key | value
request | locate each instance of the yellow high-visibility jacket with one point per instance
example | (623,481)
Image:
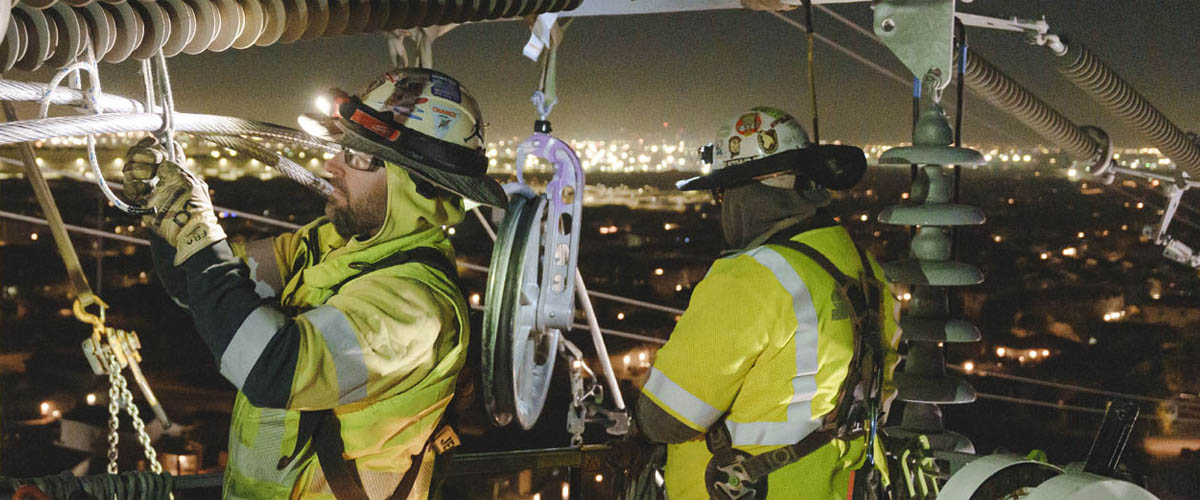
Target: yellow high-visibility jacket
(382,350)
(766,343)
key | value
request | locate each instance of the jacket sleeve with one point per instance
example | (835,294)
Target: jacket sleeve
(701,368)
(378,336)
(173,279)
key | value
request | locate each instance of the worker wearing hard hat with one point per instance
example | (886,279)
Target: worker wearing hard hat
(344,338)
(772,382)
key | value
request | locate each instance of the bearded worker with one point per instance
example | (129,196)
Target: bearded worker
(344,339)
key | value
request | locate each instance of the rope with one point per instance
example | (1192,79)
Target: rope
(546,96)
(812,77)
(168,101)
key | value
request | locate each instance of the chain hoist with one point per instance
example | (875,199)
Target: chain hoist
(109,351)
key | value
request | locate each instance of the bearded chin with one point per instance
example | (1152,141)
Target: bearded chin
(343,221)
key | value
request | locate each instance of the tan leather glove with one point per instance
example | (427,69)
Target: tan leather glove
(183,213)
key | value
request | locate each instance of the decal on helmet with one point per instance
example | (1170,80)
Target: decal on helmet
(781,120)
(443,119)
(749,123)
(445,87)
(768,141)
(476,131)
(409,111)
(375,125)
(735,146)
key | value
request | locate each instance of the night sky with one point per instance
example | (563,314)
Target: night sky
(623,76)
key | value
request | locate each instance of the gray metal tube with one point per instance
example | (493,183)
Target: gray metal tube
(1008,95)
(1091,75)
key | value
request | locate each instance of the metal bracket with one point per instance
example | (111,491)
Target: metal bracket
(560,229)
(920,33)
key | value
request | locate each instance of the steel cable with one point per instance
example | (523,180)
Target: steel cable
(1090,74)
(12,90)
(1067,407)
(116,105)
(1071,387)
(115,123)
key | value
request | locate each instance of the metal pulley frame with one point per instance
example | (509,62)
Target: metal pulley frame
(531,289)
(997,477)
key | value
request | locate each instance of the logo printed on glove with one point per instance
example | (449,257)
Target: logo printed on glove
(196,235)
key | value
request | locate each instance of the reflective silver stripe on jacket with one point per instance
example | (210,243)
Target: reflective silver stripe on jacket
(255,332)
(680,400)
(258,461)
(344,348)
(800,422)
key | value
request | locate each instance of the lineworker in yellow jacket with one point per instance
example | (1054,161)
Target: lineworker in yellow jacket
(344,338)
(773,379)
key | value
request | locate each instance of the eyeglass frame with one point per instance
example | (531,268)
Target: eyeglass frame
(349,156)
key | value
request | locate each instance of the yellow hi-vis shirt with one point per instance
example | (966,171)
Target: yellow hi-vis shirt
(766,342)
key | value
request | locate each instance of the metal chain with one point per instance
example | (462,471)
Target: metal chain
(119,391)
(140,427)
(114,396)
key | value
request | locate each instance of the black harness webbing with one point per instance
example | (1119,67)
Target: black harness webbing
(744,474)
(323,428)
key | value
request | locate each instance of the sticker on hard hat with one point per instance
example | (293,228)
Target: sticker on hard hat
(749,123)
(445,87)
(444,119)
(375,125)
(768,140)
(735,146)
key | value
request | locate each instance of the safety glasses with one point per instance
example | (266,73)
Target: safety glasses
(360,161)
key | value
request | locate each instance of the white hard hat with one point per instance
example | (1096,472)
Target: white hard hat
(768,145)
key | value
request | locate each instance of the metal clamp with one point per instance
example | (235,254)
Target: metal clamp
(1103,166)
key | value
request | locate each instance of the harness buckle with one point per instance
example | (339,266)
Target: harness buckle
(738,484)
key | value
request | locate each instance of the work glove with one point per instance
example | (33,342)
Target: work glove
(183,213)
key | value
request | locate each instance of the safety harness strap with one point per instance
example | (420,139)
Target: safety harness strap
(865,298)
(341,474)
(427,256)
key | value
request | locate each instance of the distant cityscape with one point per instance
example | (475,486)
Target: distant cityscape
(610,160)
(1074,293)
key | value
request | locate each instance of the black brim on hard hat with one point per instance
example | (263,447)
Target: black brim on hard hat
(832,166)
